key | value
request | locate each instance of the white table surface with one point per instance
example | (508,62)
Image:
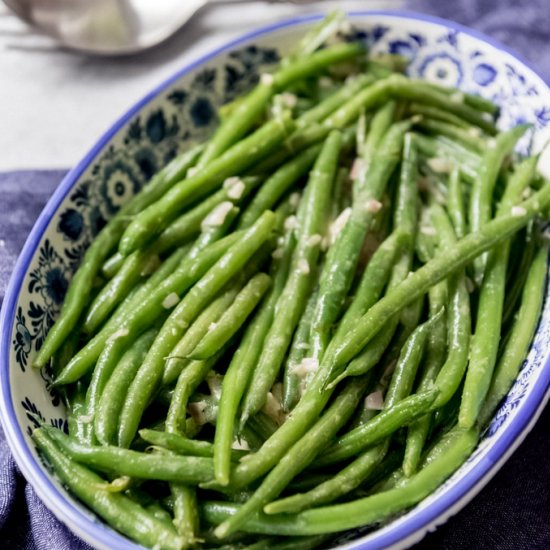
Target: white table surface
(55,103)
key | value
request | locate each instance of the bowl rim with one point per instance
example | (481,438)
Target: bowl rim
(82,523)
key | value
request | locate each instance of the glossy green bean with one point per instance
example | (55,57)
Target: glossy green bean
(155,218)
(522,332)
(112,397)
(486,336)
(149,375)
(481,197)
(403,413)
(120,511)
(314,214)
(449,261)
(299,456)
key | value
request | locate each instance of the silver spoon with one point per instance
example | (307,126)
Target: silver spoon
(109,27)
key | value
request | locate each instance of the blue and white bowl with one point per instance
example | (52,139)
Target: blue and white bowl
(183,110)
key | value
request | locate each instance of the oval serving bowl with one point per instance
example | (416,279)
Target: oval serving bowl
(182,111)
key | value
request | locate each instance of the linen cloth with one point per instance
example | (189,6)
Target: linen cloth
(511,513)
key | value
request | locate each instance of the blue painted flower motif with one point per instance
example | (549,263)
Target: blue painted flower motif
(33,414)
(120,181)
(484,74)
(96,220)
(147,163)
(71,224)
(402,47)
(202,112)
(441,68)
(23,339)
(49,278)
(543,116)
(155,127)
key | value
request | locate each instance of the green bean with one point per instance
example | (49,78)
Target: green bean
(244,360)
(381,123)
(278,184)
(154,219)
(178,358)
(423,92)
(438,147)
(110,459)
(139,264)
(177,443)
(417,432)
(465,137)
(76,403)
(291,303)
(81,284)
(458,316)
(486,336)
(522,332)
(319,33)
(449,261)
(434,113)
(481,198)
(317,61)
(299,456)
(146,306)
(364,100)
(298,350)
(314,399)
(411,354)
(120,511)
(112,397)
(188,381)
(516,278)
(186,513)
(188,224)
(343,255)
(473,100)
(340,484)
(455,203)
(150,373)
(326,107)
(403,413)
(365,511)
(112,264)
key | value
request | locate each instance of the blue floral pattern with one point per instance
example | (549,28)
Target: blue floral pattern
(186,112)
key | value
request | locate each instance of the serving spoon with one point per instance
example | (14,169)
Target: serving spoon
(110,27)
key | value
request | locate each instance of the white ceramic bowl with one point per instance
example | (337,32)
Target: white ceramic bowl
(183,110)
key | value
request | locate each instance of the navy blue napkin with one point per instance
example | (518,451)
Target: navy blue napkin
(511,513)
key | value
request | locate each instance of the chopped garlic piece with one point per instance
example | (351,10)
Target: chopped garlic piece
(294,200)
(303,266)
(325,82)
(307,365)
(374,401)
(273,408)
(373,206)
(196,410)
(291,223)
(457,97)
(314,240)
(357,168)
(170,301)
(338,224)
(235,187)
(240,445)
(289,100)
(427,230)
(214,382)
(217,216)
(440,165)
(475,132)
(266,79)
(491,143)
(278,253)
(518,211)
(193,171)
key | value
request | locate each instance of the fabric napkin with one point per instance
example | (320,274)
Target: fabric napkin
(511,513)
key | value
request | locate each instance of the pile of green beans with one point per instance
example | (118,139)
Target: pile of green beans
(303,325)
